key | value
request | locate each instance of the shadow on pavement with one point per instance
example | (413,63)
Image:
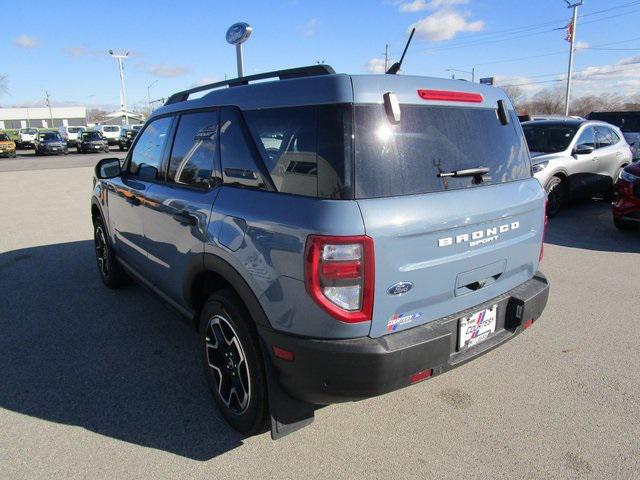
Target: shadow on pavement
(116,363)
(589,225)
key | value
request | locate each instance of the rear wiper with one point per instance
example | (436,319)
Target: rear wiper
(476,173)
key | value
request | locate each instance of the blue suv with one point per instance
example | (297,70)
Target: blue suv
(331,237)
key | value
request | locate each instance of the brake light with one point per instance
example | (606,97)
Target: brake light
(339,275)
(450,96)
(544,232)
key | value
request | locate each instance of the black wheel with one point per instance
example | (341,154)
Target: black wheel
(121,148)
(556,194)
(37,153)
(233,362)
(79,151)
(622,225)
(111,272)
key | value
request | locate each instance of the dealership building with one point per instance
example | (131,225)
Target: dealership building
(42,117)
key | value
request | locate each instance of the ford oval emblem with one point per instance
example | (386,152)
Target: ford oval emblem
(400,288)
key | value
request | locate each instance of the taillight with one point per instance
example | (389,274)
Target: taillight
(544,231)
(339,275)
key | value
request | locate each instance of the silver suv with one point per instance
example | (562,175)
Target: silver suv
(575,158)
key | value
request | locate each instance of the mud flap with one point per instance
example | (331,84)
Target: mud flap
(287,413)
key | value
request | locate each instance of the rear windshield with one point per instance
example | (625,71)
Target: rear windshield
(91,136)
(29,131)
(49,136)
(4,137)
(406,159)
(548,138)
(111,129)
(627,122)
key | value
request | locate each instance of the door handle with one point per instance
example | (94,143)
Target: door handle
(185,218)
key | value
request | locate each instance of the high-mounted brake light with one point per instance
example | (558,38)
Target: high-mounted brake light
(450,96)
(339,275)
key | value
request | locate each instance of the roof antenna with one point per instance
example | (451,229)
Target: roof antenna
(396,66)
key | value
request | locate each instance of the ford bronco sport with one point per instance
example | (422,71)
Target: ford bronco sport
(332,237)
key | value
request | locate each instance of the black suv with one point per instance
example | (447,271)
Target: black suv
(92,141)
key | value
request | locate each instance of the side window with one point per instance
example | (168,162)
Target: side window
(306,149)
(195,157)
(237,151)
(587,137)
(146,157)
(606,137)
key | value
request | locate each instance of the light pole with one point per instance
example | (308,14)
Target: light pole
(149,93)
(237,34)
(472,72)
(572,33)
(123,97)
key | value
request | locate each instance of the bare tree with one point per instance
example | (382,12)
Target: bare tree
(515,94)
(95,115)
(548,101)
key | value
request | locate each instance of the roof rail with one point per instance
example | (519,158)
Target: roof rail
(310,71)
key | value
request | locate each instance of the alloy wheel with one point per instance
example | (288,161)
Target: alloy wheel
(228,364)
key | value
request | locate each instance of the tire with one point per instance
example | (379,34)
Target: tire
(111,272)
(79,151)
(232,361)
(556,194)
(622,225)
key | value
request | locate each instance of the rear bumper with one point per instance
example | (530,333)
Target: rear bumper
(332,371)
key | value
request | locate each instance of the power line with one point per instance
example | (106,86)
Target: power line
(506,35)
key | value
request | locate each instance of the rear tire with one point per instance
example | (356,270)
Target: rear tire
(233,363)
(622,225)
(111,272)
(556,195)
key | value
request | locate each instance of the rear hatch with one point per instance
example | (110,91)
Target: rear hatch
(444,244)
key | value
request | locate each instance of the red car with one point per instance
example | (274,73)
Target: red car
(626,208)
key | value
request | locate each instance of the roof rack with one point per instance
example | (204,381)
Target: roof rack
(310,71)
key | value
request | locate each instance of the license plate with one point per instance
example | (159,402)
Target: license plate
(477,327)
(54,148)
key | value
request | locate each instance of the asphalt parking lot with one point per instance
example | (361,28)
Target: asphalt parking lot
(102,384)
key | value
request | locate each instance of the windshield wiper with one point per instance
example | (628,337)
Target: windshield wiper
(476,173)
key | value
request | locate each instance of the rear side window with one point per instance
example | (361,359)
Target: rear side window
(194,157)
(306,150)
(606,137)
(146,156)
(240,160)
(406,158)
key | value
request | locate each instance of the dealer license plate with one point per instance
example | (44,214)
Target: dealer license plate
(477,327)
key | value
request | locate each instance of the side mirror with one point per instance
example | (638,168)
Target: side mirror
(108,168)
(583,149)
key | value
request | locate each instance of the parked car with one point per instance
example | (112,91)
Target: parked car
(111,133)
(575,158)
(7,146)
(127,136)
(136,127)
(332,237)
(627,122)
(92,141)
(50,142)
(71,134)
(626,207)
(27,138)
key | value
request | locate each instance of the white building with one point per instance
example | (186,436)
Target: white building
(40,117)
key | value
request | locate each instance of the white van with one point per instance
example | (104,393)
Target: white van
(71,134)
(111,133)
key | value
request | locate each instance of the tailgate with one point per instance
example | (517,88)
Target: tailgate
(441,253)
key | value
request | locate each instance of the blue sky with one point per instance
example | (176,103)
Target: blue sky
(61,46)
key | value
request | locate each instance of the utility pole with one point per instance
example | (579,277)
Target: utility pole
(48,102)
(123,97)
(571,31)
(386,57)
(149,93)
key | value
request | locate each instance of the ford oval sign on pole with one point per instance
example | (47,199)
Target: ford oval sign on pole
(237,34)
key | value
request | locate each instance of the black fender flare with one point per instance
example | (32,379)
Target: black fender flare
(207,262)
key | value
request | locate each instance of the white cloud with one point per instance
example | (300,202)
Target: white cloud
(421,5)
(375,65)
(75,51)
(309,28)
(165,70)
(25,41)
(445,24)
(581,46)
(521,81)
